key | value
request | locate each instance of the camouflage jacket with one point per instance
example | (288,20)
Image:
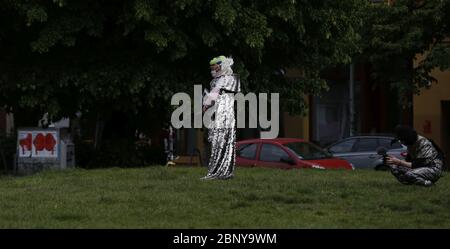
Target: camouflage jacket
(423,154)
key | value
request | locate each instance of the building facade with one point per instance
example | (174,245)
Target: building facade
(432,110)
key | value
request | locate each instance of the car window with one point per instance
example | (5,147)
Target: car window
(343,147)
(367,144)
(307,151)
(386,143)
(272,153)
(248,151)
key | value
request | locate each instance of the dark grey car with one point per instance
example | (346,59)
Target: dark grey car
(361,151)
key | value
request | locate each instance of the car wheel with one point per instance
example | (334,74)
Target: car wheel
(382,167)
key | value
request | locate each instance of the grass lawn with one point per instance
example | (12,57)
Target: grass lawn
(159,197)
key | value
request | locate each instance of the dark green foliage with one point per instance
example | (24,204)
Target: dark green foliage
(7,150)
(98,56)
(105,58)
(395,34)
(118,152)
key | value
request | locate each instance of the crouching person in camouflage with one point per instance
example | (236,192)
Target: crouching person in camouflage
(424,163)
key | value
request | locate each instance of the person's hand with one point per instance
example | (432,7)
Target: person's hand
(390,160)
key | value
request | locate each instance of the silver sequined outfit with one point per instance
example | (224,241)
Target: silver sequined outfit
(222,133)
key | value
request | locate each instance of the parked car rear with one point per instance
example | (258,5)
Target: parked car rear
(286,153)
(361,151)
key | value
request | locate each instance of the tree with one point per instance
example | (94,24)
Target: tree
(397,33)
(101,57)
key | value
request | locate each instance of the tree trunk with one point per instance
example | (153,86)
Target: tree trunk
(2,155)
(99,125)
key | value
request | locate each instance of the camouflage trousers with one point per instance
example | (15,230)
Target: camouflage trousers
(417,176)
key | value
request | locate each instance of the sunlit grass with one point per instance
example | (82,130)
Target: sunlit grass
(159,197)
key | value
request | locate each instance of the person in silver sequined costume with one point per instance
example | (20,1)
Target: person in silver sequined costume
(424,163)
(222,130)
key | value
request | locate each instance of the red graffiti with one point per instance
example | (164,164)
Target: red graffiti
(50,143)
(25,143)
(41,142)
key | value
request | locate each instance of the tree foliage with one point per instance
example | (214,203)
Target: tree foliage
(397,34)
(62,56)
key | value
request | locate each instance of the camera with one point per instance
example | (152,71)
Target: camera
(382,152)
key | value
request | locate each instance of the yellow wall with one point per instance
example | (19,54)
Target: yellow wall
(427,105)
(296,126)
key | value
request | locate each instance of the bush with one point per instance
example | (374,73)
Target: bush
(121,153)
(7,152)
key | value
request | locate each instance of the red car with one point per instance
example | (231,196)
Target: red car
(286,153)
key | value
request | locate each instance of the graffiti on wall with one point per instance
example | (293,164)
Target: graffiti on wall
(38,144)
